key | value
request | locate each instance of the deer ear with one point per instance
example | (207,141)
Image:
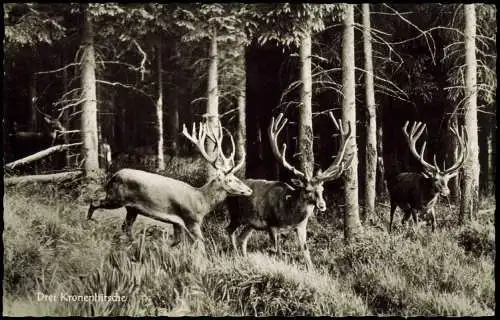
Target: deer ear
(453,174)
(297,183)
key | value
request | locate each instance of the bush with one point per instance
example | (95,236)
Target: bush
(478,239)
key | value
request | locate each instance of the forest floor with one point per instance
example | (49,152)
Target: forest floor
(51,251)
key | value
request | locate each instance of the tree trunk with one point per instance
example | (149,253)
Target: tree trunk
(305,114)
(65,115)
(242,128)
(380,180)
(123,128)
(173,114)
(470,194)
(352,224)
(33,101)
(112,125)
(159,111)
(174,124)
(213,100)
(492,144)
(455,182)
(44,178)
(89,106)
(371,124)
(483,135)
(40,154)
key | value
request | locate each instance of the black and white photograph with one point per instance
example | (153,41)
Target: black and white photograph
(249,159)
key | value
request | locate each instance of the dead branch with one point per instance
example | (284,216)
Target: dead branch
(144,59)
(61,132)
(54,177)
(72,104)
(40,155)
(60,69)
(114,84)
(426,36)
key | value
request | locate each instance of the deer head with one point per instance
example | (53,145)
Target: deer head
(312,185)
(440,176)
(225,167)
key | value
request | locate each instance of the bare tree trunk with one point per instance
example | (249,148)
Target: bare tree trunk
(213,98)
(470,194)
(483,135)
(44,178)
(491,153)
(242,127)
(40,154)
(89,106)
(371,128)
(159,111)
(352,223)
(123,127)
(380,180)
(305,116)
(174,124)
(455,182)
(33,101)
(112,124)
(173,114)
(65,115)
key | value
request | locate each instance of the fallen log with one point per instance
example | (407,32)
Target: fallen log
(40,154)
(53,177)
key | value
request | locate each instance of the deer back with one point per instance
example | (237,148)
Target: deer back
(413,189)
(272,204)
(149,191)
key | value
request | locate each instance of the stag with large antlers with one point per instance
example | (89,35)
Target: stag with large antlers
(412,191)
(275,205)
(173,201)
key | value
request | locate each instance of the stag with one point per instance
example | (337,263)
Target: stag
(276,205)
(173,201)
(412,191)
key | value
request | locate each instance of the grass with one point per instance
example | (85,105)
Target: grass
(50,248)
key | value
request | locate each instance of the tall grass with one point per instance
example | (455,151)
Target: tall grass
(50,248)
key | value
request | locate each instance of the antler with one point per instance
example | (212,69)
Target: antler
(462,141)
(207,131)
(412,137)
(198,139)
(228,162)
(274,130)
(416,132)
(338,166)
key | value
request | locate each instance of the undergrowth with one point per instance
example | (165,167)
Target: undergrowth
(51,249)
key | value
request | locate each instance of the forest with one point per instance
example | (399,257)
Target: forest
(329,120)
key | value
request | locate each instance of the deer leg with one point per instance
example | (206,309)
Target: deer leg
(168,218)
(243,238)
(433,219)
(178,235)
(414,215)
(129,221)
(393,209)
(231,230)
(274,235)
(102,204)
(302,240)
(407,214)
(195,228)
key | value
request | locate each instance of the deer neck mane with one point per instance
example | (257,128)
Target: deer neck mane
(296,200)
(213,192)
(429,194)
